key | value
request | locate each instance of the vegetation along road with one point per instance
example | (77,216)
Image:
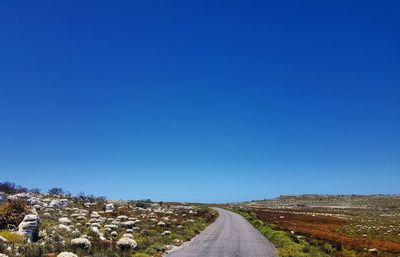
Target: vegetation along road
(229,236)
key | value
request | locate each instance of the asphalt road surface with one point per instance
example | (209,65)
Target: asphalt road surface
(229,236)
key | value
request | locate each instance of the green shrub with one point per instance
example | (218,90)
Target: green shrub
(140,255)
(12,237)
(155,248)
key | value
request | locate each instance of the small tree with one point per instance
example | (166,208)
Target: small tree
(56,191)
(11,188)
(35,190)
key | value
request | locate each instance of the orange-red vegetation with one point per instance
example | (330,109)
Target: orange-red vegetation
(323,228)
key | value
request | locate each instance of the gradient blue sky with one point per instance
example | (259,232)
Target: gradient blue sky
(201,100)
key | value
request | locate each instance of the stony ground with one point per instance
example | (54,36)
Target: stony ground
(34,225)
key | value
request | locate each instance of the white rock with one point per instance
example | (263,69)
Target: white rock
(65,221)
(96,225)
(128,224)
(82,243)
(21,196)
(47,215)
(122,217)
(58,203)
(95,215)
(97,232)
(64,227)
(110,207)
(81,218)
(67,254)
(3,197)
(29,227)
(126,243)
(165,233)
(3,255)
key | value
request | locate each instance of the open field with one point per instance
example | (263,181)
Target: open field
(340,225)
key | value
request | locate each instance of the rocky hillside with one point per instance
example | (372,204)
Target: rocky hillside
(34,224)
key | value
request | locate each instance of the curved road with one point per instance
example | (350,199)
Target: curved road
(229,236)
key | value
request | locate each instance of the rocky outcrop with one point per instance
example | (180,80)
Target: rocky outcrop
(29,227)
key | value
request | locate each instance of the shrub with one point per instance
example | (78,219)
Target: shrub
(12,237)
(140,255)
(11,188)
(56,191)
(31,250)
(11,214)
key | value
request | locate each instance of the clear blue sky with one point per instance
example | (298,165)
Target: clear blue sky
(201,100)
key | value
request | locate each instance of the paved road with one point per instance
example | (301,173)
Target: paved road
(229,236)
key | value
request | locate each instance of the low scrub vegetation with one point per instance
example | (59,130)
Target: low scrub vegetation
(34,224)
(287,245)
(341,225)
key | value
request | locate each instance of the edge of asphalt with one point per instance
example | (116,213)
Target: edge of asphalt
(187,243)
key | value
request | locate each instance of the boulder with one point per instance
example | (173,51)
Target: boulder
(82,243)
(166,233)
(65,221)
(3,197)
(3,255)
(64,227)
(126,243)
(128,224)
(95,215)
(110,208)
(81,218)
(47,215)
(373,251)
(97,232)
(122,217)
(58,203)
(67,254)
(161,224)
(29,227)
